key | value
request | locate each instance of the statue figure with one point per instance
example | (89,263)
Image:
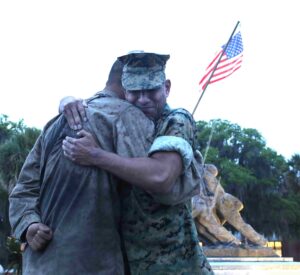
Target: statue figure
(211,210)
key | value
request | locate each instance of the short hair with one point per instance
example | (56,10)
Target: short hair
(115,74)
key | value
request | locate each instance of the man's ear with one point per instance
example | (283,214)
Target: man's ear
(168,86)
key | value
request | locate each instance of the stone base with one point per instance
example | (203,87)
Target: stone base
(254,266)
(224,251)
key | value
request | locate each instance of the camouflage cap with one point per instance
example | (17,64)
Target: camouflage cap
(143,71)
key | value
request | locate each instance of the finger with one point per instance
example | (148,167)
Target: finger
(67,153)
(75,109)
(86,140)
(70,119)
(83,133)
(68,156)
(70,140)
(44,228)
(38,239)
(31,231)
(35,245)
(45,235)
(81,109)
(42,237)
(66,145)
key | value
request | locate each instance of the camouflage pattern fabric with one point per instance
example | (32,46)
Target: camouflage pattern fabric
(162,239)
(143,71)
(79,203)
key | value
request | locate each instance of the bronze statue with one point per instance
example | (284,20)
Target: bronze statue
(211,209)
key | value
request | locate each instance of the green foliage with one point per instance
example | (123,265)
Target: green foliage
(9,128)
(16,140)
(285,210)
(292,179)
(14,151)
(236,177)
(15,255)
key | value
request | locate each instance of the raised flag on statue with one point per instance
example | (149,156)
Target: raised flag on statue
(230,61)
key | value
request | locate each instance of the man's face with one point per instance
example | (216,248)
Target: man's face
(151,102)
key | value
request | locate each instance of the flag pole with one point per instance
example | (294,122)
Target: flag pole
(215,67)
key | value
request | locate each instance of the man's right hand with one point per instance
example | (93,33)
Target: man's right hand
(82,150)
(74,111)
(38,235)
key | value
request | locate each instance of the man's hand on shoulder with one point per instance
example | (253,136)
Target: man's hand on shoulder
(38,236)
(74,111)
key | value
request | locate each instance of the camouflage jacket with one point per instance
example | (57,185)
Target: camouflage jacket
(79,203)
(160,238)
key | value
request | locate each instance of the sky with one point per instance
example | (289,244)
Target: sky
(51,49)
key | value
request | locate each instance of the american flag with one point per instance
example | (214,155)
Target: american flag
(229,63)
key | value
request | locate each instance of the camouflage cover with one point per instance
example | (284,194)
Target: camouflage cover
(143,71)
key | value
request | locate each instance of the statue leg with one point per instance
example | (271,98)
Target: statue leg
(212,227)
(229,206)
(204,233)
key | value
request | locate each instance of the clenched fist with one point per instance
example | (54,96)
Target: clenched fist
(38,235)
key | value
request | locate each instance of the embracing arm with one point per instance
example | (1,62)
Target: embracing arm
(177,132)
(154,174)
(169,156)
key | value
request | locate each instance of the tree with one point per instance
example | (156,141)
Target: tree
(16,140)
(292,177)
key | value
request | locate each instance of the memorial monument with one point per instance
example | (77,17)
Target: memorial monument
(211,209)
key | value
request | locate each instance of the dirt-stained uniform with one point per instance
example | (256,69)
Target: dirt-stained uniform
(79,203)
(159,238)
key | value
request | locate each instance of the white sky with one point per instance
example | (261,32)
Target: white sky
(50,49)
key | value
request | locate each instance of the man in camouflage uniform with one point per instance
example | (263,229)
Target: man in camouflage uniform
(70,214)
(160,237)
